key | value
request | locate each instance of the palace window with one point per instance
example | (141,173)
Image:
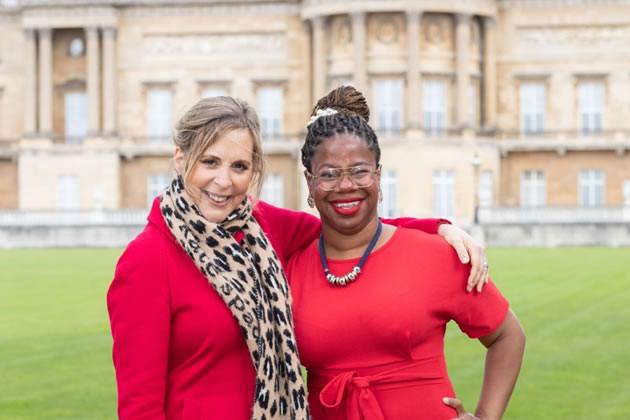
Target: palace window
(472,105)
(444,193)
(591,104)
(155,185)
(389,206)
(270,110)
(388,104)
(626,193)
(591,185)
(533,189)
(67,192)
(533,108)
(159,113)
(273,189)
(434,106)
(486,189)
(75,116)
(213,92)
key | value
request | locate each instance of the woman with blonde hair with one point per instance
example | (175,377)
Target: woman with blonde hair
(199,306)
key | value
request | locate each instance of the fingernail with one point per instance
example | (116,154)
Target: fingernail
(444,400)
(464,260)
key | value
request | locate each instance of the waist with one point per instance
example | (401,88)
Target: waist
(390,375)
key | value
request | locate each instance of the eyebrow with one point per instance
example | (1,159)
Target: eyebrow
(330,166)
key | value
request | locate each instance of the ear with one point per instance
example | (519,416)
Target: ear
(308,181)
(379,170)
(178,160)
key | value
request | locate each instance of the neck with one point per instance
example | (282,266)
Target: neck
(345,245)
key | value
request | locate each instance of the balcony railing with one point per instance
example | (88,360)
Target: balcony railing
(30,218)
(553,215)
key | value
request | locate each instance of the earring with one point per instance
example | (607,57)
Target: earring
(380,194)
(310,201)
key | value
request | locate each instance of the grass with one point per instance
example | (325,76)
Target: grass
(573,304)
(55,345)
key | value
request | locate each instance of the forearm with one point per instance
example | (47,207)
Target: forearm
(503,363)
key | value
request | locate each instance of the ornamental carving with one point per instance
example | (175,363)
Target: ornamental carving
(343,32)
(241,45)
(386,30)
(434,30)
(575,35)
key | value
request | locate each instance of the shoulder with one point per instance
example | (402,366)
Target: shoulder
(429,249)
(413,237)
(146,258)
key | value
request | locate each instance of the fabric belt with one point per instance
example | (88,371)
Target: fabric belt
(357,390)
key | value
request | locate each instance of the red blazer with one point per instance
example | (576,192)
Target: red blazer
(178,352)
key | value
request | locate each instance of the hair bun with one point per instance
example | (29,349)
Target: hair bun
(345,99)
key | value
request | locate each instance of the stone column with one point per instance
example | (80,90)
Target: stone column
(93,81)
(413,69)
(358,40)
(45,81)
(319,57)
(109,82)
(489,74)
(30,83)
(462,66)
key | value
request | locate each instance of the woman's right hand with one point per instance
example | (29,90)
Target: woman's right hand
(462,414)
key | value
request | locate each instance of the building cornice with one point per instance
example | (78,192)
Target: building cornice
(314,8)
(543,4)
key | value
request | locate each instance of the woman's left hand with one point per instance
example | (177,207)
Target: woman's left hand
(462,414)
(468,249)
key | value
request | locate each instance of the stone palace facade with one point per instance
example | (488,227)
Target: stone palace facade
(484,108)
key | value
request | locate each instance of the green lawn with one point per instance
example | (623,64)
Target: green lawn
(55,343)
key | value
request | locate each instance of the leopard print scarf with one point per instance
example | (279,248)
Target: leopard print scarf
(250,279)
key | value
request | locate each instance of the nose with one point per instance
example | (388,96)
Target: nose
(345,182)
(223,177)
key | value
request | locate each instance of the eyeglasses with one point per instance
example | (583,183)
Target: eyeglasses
(329,179)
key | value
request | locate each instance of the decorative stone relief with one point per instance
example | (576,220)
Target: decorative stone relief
(386,30)
(343,32)
(608,36)
(242,45)
(434,30)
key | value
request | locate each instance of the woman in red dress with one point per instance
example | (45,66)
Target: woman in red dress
(371,301)
(199,305)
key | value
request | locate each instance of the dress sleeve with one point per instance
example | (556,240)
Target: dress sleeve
(476,314)
(425,225)
(287,230)
(139,313)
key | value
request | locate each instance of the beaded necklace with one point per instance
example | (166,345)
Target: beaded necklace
(352,275)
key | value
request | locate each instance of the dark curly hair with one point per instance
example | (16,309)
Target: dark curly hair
(352,118)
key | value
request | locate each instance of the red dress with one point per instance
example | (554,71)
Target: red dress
(375,349)
(178,351)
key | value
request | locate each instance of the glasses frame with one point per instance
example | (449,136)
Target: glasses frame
(345,171)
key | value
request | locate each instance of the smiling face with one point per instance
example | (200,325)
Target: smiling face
(346,209)
(222,175)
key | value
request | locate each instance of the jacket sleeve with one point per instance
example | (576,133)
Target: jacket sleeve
(139,313)
(287,230)
(425,225)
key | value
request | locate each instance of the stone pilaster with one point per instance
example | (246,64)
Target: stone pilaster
(413,69)
(489,74)
(109,81)
(30,83)
(462,32)
(45,81)
(358,40)
(93,80)
(319,57)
